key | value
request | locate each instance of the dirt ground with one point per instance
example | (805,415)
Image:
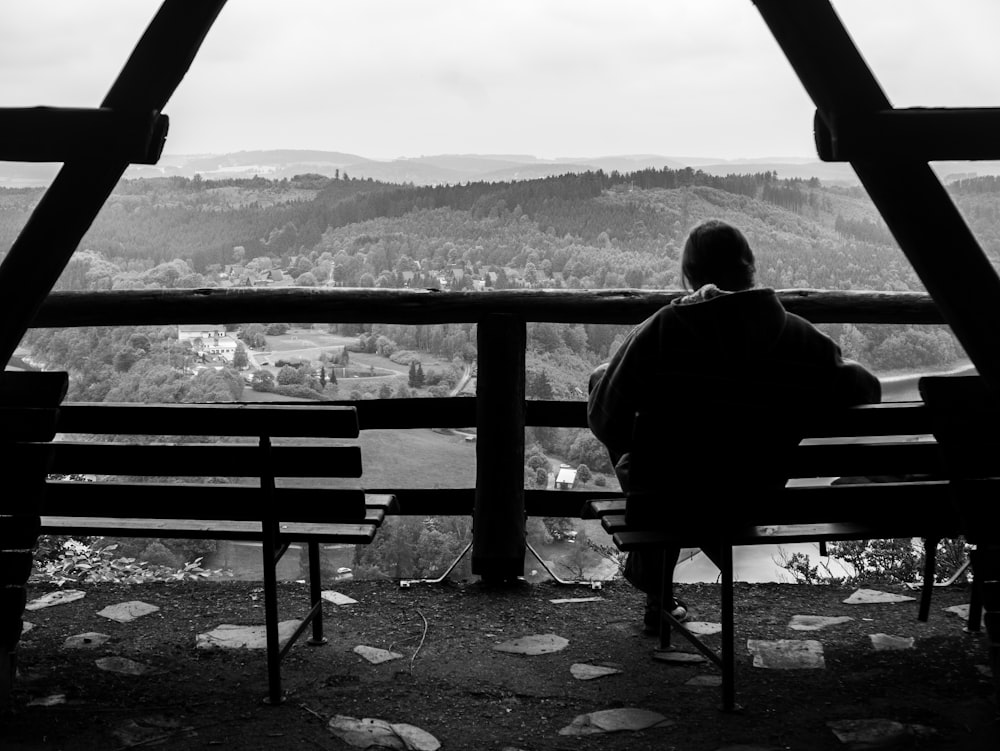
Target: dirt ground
(452,683)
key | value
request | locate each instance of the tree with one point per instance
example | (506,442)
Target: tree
(583,473)
(253,336)
(262,380)
(416,376)
(538,386)
(541,477)
(322,377)
(385,391)
(240,359)
(288,376)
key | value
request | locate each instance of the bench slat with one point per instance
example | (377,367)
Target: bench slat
(200,501)
(231,419)
(791,533)
(863,459)
(210,460)
(210,529)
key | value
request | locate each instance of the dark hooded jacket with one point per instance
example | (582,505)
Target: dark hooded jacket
(717,371)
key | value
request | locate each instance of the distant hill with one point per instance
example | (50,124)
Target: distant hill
(455,169)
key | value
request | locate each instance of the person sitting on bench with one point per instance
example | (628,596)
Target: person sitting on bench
(723,362)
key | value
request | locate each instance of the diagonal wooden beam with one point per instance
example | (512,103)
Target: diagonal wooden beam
(68,208)
(911,199)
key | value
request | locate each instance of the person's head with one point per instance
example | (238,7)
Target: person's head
(717,253)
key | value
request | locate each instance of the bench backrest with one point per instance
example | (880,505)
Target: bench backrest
(886,449)
(286,451)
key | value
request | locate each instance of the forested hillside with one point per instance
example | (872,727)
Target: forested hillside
(589,230)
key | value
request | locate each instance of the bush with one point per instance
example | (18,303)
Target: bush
(159,554)
(297,390)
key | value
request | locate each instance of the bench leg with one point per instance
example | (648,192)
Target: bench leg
(269,551)
(666,603)
(930,569)
(976,594)
(728,636)
(315,596)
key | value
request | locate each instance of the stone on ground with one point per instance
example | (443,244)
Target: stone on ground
(962,611)
(88,640)
(59,597)
(230,636)
(786,654)
(676,657)
(584,672)
(26,626)
(873,734)
(703,628)
(816,622)
(123,666)
(48,701)
(337,598)
(374,733)
(537,644)
(886,642)
(149,731)
(614,720)
(376,655)
(124,612)
(874,596)
(566,600)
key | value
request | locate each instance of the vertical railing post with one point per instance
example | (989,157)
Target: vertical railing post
(498,531)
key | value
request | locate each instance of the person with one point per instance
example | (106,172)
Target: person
(719,370)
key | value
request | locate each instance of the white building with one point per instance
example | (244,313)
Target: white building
(209,340)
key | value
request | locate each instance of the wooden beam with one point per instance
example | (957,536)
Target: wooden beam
(66,211)
(911,199)
(65,134)
(925,134)
(369,305)
(498,524)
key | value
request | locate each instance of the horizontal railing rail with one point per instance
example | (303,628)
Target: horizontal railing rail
(410,306)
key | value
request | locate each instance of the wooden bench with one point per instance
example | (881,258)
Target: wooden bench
(869,444)
(284,482)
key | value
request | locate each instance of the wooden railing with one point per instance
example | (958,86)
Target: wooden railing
(498,502)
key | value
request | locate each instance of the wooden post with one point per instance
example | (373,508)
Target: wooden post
(32,399)
(498,529)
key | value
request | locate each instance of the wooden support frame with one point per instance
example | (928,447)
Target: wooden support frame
(911,199)
(928,134)
(66,134)
(66,211)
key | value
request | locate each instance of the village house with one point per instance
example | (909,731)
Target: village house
(565,477)
(209,340)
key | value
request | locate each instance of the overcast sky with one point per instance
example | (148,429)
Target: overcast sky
(550,78)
